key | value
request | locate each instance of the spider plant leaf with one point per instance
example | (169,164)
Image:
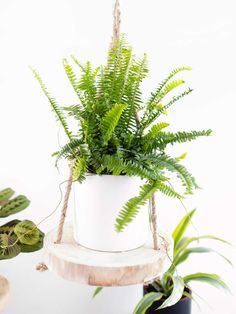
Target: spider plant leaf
(97,291)
(184,243)
(187,252)
(181,227)
(146,302)
(211,279)
(176,293)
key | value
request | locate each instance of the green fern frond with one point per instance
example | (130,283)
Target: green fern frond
(131,208)
(73,80)
(116,166)
(182,173)
(79,169)
(54,105)
(70,150)
(168,191)
(110,121)
(150,116)
(166,90)
(154,132)
(162,139)
(155,95)
(132,94)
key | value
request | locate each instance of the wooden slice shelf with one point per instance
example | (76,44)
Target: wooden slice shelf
(74,262)
(4,292)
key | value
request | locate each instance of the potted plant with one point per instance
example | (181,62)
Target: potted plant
(171,294)
(118,152)
(15,236)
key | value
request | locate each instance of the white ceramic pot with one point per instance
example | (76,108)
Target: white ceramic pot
(98,202)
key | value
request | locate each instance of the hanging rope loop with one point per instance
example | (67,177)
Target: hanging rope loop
(154,222)
(64,207)
(116,23)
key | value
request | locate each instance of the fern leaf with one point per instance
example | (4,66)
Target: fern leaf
(150,116)
(110,121)
(165,138)
(182,173)
(168,191)
(154,132)
(54,105)
(79,169)
(155,94)
(70,150)
(116,166)
(131,208)
(73,80)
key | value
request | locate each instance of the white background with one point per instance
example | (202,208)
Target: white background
(173,33)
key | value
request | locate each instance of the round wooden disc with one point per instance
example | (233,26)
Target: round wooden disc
(77,263)
(4,292)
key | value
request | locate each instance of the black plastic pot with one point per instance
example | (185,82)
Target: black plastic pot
(182,307)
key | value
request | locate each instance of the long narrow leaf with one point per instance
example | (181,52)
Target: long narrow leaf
(180,258)
(211,279)
(182,226)
(97,291)
(176,294)
(146,302)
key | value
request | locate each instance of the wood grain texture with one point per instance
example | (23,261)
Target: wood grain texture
(4,292)
(74,262)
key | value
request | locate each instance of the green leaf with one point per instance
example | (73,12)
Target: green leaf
(180,258)
(186,241)
(110,121)
(14,206)
(27,248)
(169,87)
(172,165)
(97,291)
(181,227)
(79,169)
(56,109)
(211,279)
(146,302)
(154,131)
(8,246)
(154,95)
(5,195)
(27,232)
(131,208)
(176,293)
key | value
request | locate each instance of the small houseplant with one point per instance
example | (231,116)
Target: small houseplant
(118,151)
(171,293)
(17,236)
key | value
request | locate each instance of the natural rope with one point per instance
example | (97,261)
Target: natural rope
(154,222)
(116,23)
(64,208)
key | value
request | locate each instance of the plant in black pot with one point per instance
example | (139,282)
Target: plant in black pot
(171,294)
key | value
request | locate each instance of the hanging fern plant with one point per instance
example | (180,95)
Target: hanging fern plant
(118,132)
